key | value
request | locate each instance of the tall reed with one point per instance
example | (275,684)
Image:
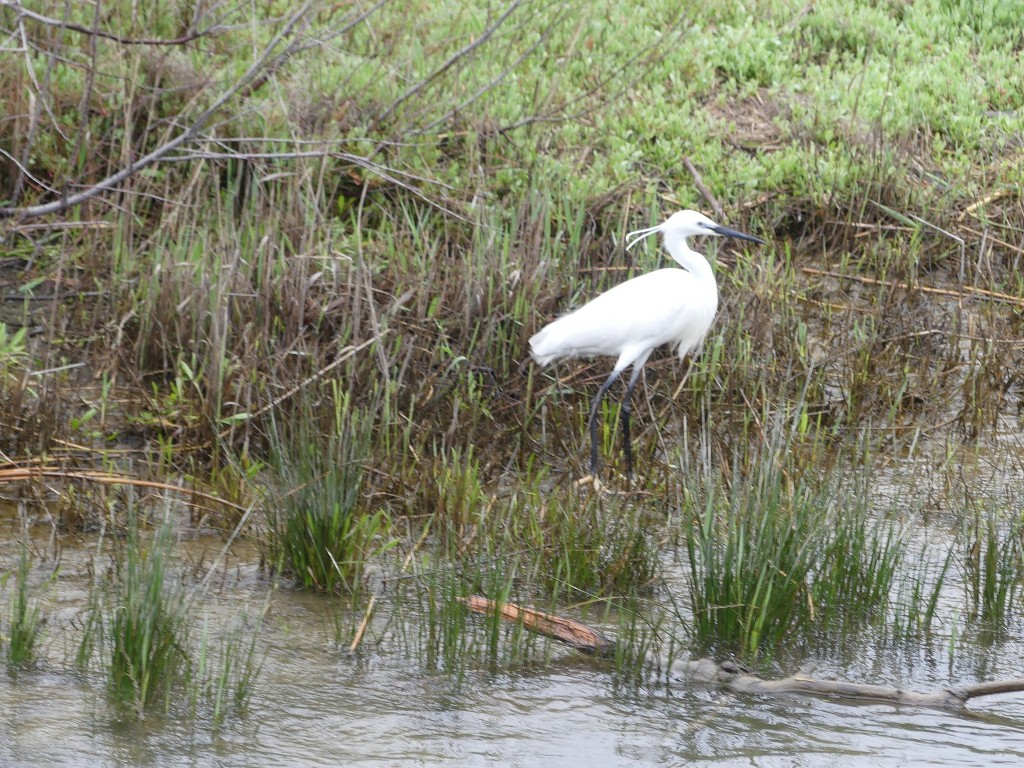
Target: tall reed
(751,550)
(992,567)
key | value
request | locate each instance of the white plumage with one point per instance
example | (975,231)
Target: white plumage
(629,321)
(632,318)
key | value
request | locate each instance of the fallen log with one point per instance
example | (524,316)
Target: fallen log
(737,678)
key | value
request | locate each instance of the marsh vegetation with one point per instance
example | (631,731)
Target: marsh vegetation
(299,329)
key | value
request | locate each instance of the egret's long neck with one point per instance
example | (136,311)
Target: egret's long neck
(688,259)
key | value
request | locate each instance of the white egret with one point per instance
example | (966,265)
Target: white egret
(630,320)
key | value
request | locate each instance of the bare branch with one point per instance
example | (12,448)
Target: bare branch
(703,188)
(492,84)
(189,134)
(560,112)
(379,169)
(455,58)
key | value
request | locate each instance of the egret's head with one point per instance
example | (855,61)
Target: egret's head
(685,224)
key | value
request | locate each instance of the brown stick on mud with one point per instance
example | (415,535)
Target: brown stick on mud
(734,677)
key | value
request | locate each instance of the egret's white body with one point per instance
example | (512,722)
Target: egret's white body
(668,306)
(632,319)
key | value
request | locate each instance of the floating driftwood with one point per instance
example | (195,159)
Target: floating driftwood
(572,633)
(735,677)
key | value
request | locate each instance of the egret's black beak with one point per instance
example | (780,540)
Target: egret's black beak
(726,232)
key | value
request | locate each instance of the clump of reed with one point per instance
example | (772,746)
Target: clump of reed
(20,639)
(780,548)
(916,606)
(751,549)
(585,547)
(317,532)
(452,640)
(148,628)
(139,630)
(138,623)
(992,567)
(225,669)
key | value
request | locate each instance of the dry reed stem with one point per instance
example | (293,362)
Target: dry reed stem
(952,293)
(362,625)
(17,474)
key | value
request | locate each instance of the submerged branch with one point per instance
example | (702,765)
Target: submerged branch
(572,633)
(735,677)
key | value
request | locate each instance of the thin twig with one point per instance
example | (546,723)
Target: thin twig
(488,87)
(184,137)
(362,625)
(956,294)
(345,355)
(560,112)
(452,61)
(703,189)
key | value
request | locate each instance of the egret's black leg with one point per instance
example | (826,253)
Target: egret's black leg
(627,409)
(593,419)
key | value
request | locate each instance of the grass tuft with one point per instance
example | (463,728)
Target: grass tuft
(317,532)
(25,619)
(147,623)
(993,568)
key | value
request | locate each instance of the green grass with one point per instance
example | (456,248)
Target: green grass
(992,567)
(142,632)
(784,551)
(225,671)
(143,626)
(751,555)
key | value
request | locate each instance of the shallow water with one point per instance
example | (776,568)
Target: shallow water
(315,707)
(317,704)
